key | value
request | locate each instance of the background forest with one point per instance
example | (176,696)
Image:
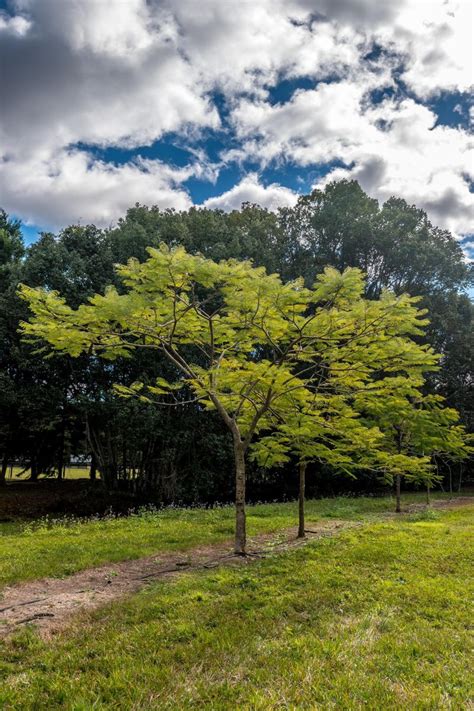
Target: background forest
(62,409)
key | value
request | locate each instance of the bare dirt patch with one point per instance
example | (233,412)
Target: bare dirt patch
(50,603)
(453,503)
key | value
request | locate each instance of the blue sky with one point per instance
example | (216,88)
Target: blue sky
(177,103)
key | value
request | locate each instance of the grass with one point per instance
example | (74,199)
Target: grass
(59,547)
(71,472)
(379,617)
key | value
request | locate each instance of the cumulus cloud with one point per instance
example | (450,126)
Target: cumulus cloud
(392,148)
(355,12)
(61,90)
(250,189)
(70,187)
(124,74)
(436,40)
(15,25)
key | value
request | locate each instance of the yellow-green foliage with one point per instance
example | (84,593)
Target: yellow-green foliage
(326,370)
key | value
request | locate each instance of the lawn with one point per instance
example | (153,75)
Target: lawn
(378,617)
(60,547)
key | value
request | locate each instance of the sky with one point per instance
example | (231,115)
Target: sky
(106,103)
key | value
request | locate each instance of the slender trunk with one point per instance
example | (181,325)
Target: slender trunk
(34,470)
(3,471)
(93,468)
(450,480)
(61,454)
(240,532)
(460,478)
(301,493)
(398,477)
(428,498)
(124,459)
(398,492)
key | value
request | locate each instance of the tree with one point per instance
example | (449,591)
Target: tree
(397,247)
(451,331)
(318,428)
(11,242)
(395,244)
(11,253)
(227,312)
(249,233)
(416,428)
(242,340)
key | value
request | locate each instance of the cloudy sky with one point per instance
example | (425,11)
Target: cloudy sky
(215,102)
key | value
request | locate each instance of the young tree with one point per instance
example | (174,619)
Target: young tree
(214,322)
(318,428)
(416,428)
(243,340)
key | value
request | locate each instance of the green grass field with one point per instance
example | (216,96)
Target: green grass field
(378,617)
(62,546)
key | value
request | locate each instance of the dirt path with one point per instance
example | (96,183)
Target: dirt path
(51,602)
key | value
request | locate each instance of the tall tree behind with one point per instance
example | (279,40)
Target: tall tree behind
(11,252)
(395,245)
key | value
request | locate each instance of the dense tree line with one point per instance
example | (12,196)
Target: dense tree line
(53,408)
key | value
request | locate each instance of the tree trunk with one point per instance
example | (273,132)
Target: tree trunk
(3,471)
(301,493)
(428,498)
(398,492)
(240,528)
(93,468)
(34,470)
(450,479)
(398,477)
(61,454)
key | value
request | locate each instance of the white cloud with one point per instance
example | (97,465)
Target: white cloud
(57,97)
(436,38)
(250,189)
(70,187)
(247,45)
(123,73)
(393,148)
(314,126)
(359,13)
(16,24)
(114,27)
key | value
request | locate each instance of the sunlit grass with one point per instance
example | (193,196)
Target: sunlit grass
(71,472)
(378,617)
(58,547)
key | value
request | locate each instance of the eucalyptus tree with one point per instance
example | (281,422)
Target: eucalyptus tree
(395,244)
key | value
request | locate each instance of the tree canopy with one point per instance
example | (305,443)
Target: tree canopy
(61,406)
(246,343)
